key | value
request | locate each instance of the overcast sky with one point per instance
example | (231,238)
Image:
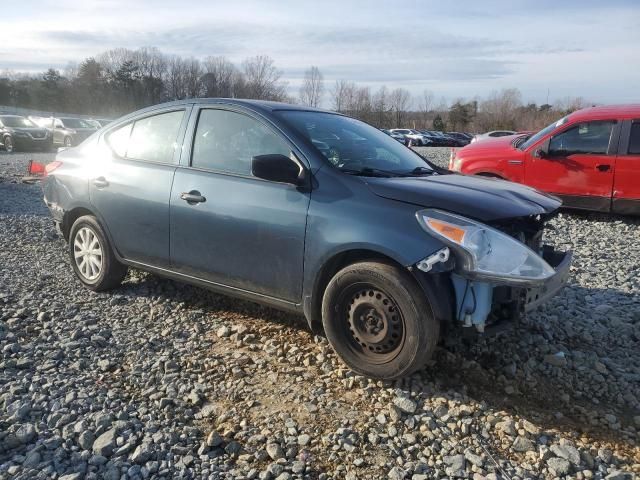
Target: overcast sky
(455,49)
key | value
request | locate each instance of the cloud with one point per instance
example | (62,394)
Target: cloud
(460,50)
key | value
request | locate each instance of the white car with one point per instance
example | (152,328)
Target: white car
(492,134)
(415,136)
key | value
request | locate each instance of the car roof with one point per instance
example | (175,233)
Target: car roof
(262,106)
(612,111)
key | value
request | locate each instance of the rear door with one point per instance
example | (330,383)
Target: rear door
(244,232)
(131,184)
(626,189)
(578,165)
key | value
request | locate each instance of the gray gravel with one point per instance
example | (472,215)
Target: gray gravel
(162,380)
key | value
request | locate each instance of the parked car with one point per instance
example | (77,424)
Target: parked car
(492,134)
(308,211)
(20,133)
(438,139)
(99,122)
(590,159)
(395,135)
(461,138)
(67,131)
(416,137)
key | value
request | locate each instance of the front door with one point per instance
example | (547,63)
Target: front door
(578,165)
(626,187)
(228,227)
(131,184)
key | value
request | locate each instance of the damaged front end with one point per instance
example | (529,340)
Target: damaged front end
(498,271)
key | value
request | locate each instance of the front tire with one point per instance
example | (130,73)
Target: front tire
(379,321)
(8,144)
(92,257)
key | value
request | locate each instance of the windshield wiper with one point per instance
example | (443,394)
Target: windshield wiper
(369,172)
(418,171)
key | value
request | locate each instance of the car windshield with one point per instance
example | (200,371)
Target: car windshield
(76,123)
(353,146)
(17,122)
(542,133)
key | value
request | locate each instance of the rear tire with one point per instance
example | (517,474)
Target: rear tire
(92,257)
(378,320)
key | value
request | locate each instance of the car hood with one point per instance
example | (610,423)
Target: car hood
(27,129)
(484,199)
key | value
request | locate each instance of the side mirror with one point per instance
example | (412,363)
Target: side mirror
(540,153)
(277,168)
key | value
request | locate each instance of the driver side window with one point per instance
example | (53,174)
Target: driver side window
(583,138)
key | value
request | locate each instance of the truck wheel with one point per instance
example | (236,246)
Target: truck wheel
(92,257)
(378,320)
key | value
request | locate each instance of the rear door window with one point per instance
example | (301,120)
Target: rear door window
(118,139)
(154,138)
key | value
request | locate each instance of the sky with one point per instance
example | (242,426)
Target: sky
(548,49)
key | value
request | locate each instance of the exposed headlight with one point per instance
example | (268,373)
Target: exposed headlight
(484,251)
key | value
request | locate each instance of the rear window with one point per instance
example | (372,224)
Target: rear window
(152,139)
(634,139)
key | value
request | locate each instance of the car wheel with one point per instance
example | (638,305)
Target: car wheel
(378,320)
(92,257)
(8,144)
(67,142)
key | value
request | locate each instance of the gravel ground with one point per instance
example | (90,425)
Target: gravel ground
(162,380)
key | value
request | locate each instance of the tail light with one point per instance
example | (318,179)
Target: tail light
(35,168)
(50,167)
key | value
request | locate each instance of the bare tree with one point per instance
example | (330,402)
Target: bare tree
(312,87)
(341,95)
(426,105)
(399,100)
(381,107)
(219,78)
(263,79)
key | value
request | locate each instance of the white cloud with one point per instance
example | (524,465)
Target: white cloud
(581,48)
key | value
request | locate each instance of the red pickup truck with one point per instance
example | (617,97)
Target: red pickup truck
(590,159)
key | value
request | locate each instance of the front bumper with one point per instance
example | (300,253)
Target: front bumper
(484,304)
(561,263)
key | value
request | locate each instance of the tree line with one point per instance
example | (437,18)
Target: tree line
(123,80)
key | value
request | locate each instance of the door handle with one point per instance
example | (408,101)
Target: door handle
(192,197)
(101,182)
(603,167)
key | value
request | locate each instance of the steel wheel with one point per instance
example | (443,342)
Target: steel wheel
(87,253)
(374,323)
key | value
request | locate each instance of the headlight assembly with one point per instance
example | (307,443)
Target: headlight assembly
(483,251)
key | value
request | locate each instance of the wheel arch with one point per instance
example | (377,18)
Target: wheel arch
(429,284)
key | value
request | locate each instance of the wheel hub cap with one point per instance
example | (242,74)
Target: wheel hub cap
(374,321)
(87,253)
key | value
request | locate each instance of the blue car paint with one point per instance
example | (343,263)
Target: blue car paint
(274,247)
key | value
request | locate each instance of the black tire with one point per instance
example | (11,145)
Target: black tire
(8,144)
(111,272)
(378,320)
(67,142)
